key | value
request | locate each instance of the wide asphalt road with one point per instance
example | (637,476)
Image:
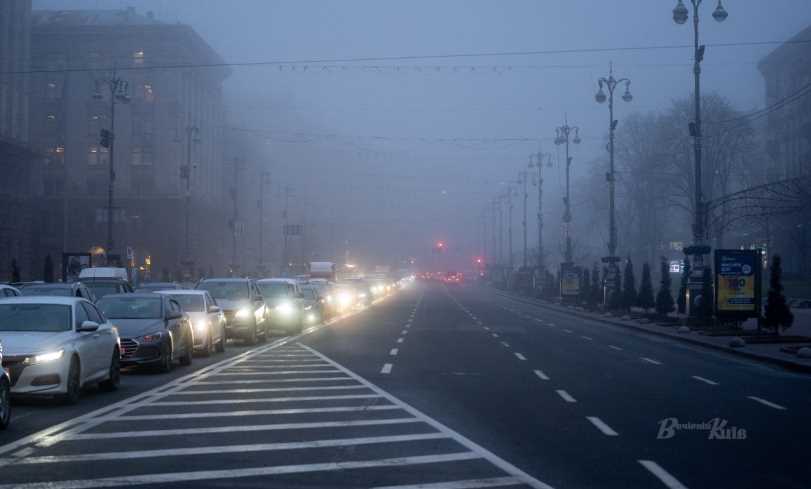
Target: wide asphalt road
(433,388)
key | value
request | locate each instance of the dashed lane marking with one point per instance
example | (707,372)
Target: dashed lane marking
(565,395)
(541,375)
(520,357)
(600,425)
(650,360)
(386,368)
(661,474)
(767,403)
(705,380)
(393,352)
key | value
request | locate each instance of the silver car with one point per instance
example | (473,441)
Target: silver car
(5,395)
(208,319)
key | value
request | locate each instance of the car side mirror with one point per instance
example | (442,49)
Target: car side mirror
(213,308)
(88,327)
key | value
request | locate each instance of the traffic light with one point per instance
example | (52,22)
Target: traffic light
(105,138)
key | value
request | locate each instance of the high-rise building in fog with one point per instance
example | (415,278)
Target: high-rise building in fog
(171,116)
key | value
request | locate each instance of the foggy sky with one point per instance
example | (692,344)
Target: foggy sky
(437,190)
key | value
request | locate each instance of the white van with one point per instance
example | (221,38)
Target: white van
(104,272)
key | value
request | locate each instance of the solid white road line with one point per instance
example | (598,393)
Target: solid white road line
(541,375)
(615,347)
(242,429)
(650,360)
(258,447)
(587,338)
(520,357)
(462,440)
(275,381)
(269,389)
(705,380)
(393,352)
(264,399)
(661,474)
(600,425)
(565,396)
(464,484)
(256,412)
(767,403)
(386,368)
(167,478)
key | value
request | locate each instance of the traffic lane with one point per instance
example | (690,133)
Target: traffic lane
(454,371)
(732,374)
(30,415)
(635,396)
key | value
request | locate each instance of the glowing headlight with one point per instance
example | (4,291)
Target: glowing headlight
(345,298)
(310,317)
(49,357)
(152,338)
(362,295)
(329,299)
(201,325)
(285,309)
(243,313)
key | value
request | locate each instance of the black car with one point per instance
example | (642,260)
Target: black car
(243,305)
(102,287)
(75,289)
(153,328)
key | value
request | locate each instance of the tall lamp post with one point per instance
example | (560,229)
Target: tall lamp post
(536,161)
(610,83)
(509,196)
(699,247)
(192,133)
(563,136)
(522,180)
(119,89)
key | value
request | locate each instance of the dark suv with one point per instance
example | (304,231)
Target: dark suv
(243,305)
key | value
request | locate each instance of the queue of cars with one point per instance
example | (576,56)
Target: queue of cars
(58,338)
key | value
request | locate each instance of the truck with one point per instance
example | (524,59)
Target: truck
(322,269)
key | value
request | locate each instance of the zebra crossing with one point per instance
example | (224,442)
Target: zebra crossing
(279,416)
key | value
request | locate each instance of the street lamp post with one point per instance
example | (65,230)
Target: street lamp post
(118,93)
(563,136)
(699,248)
(538,163)
(499,202)
(509,197)
(191,136)
(610,83)
(522,180)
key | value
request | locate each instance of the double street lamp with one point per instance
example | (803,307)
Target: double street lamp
(699,248)
(610,84)
(563,136)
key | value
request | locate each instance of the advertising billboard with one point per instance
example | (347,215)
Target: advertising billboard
(569,280)
(737,279)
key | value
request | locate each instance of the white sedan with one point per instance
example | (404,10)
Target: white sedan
(206,316)
(54,346)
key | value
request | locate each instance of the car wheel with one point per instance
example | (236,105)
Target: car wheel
(114,378)
(251,338)
(186,359)
(74,383)
(209,346)
(5,403)
(166,364)
(221,344)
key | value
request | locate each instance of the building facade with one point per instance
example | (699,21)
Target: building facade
(141,79)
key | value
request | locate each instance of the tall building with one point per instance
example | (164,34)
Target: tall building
(20,181)
(105,68)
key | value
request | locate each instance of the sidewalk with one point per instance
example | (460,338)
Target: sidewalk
(769,353)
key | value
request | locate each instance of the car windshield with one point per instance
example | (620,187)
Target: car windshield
(156,286)
(226,290)
(131,307)
(46,290)
(189,302)
(101,289)
(48,318)
(275,290)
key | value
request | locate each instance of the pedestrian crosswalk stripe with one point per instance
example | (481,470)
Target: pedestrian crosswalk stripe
(265,399)
(256,412)
(463,484)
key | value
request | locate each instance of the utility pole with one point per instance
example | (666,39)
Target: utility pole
(499,202)
(118,93)
(539,164)
(185,172)
(509,197)
(563,137)
(235,217)
(264,179)
(494,230)
(285,255)
(522,179)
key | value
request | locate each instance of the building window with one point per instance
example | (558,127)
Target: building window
(51,117)
(138,57)
(149,93)
(141,156)
(97,155)
(53,91)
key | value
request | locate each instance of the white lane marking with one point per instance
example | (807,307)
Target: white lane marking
(274,381)
(552,324)
(268,389)
(463,484)
(767,403)
(399,340)
(462,440)
(408,325)
(264,399)
(650,360)
(541,375)
(386,368)
(262,363)
(271,368)
(661,474)
(22,453)
(615,347)
(393,352)
(404,332)
(486,328)
(255,412)
(166,478)
(258,447)
(495,335)
(506,345)
(600,425)
(241,428)
(539,320)
(705,380)
(587,338)
(277,372)
(565,396)
(568,331)
(520,357)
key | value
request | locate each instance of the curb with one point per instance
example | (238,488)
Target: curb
(783,363)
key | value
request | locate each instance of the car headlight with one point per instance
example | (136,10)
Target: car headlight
(285,309)
(243,313)
(48,357)
(329,299)
(362,295)
(201,326)
(345,298)
(152,337)
(311,318)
